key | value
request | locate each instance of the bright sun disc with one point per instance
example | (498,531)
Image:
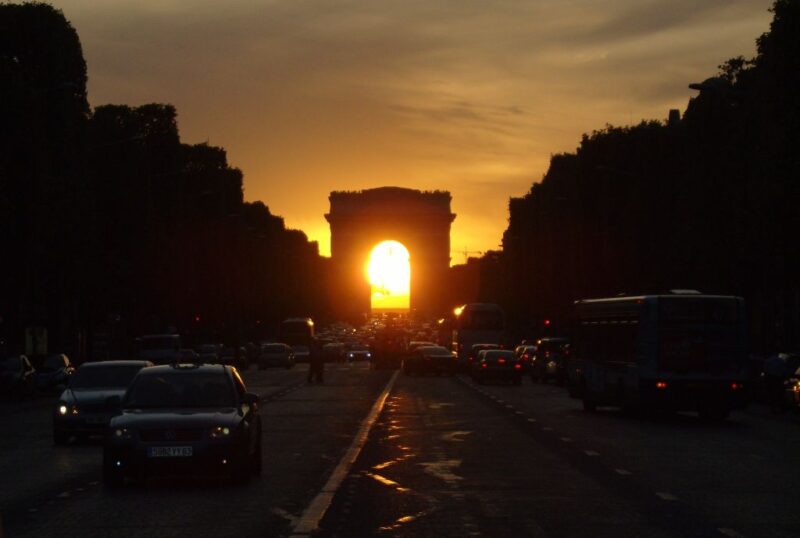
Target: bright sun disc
(389,274)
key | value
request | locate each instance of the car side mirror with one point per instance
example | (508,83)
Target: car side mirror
(250,398)
(114,403)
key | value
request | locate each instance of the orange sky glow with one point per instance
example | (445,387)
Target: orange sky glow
(468,96)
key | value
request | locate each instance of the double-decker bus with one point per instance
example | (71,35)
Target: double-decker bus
(681,351)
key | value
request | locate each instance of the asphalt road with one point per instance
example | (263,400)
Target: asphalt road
(442,457)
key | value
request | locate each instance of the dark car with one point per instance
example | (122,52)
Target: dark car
(54,373)
(17,378)
(525,354)
(472,355)
(184,417)
(549,361)
(276,354)
(497,365)
(430,359)
(358,352)
(82,409)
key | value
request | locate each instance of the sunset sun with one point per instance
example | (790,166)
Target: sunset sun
(389,274)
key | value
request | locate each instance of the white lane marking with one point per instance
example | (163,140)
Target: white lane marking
(519,413)
(729,532)
(284,514)
(63,495)
(314,512)
(547,429)
(531,420)
(591,453)
(664,496)
(623,472)
(566,439)
(509,406)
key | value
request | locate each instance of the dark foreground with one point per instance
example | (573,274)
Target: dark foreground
(443,458)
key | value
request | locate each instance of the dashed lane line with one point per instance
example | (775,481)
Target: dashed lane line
(664,496)
(622,472)
(729,532)
(591,453)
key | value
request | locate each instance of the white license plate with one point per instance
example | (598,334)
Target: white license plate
(169,452)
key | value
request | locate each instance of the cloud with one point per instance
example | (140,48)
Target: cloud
(310,96)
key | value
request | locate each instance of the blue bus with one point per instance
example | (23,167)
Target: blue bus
(681,352)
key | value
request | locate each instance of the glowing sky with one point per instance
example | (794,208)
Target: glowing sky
(310,96)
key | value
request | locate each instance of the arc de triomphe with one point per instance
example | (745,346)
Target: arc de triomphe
(360,220)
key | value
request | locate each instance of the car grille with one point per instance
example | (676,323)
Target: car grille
(171,434)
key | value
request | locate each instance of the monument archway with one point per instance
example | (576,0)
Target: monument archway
(360,220)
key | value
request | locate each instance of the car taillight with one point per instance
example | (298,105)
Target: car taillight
(525,357)
(661,384)
(736,386)
(483,365)
(546,353)
(518,367)
(501,361)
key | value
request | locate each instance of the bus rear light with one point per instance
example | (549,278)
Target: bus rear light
(661,384)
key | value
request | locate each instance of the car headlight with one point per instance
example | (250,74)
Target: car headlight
(350,355)
(369,355)
(220,432)
(122,433)
(63,409)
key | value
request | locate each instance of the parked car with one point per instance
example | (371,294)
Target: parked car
(497,365)
(430,359)
(54,373)
(82,408)
(17,378)
(550,360)
(275,354)
(208,353)
(197,418)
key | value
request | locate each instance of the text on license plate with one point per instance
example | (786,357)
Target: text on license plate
(169,451)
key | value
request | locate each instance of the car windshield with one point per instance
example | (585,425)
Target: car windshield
(181,389)
(105,376)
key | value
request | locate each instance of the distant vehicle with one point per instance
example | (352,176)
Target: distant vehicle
(472,355)
(477,323)
(497,365)
(414,344)
(188,355)
(358,352)
(160,348)
(430,359)
(184,417)
(549,360)
(302,353)
(296,331)
(233,356)
(208,353)
(681,352)
(54,373)
(791,391)
(275,354)
(81,408)
(525,353)
(17,378)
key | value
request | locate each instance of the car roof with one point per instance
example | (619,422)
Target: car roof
(186,368)
(101,364)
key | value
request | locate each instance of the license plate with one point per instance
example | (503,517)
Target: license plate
(169,452)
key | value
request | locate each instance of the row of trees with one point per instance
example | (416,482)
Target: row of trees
(710,202)
(112,227)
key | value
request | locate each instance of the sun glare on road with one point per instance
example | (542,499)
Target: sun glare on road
(389,274)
